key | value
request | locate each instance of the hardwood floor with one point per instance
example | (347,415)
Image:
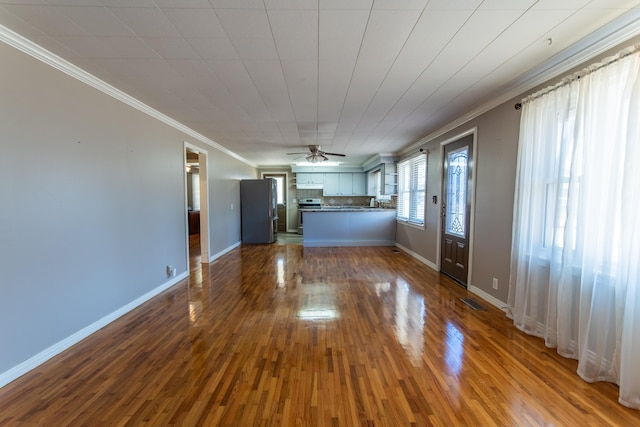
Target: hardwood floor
(280,335)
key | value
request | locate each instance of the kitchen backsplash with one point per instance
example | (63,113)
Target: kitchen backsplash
(342,200)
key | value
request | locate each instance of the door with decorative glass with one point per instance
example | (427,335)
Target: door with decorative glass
(456,208)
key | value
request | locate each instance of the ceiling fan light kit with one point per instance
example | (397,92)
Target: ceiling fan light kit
(316,155)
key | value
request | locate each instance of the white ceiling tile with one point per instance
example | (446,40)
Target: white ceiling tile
(54,46)
(302,79)
(565,35)
(237,4)
(297,48)
(145,21)
(129,47)
(171,47)
(195,71)
(454,5)
(387,33)
(345,4)
(564,4)
(47,19)
(266,74)
(99,21)
(87,46)
(400,4)
(291,4)
(341,33)
(192,97)
(126,3)
(609,4)
(195,22)
(293,24)
(213,47)
(333,84)
(507,4)
(245,23)
(17,24)
(183,4)
(72,2)
(256,48)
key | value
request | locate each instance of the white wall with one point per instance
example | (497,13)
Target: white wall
(92,206)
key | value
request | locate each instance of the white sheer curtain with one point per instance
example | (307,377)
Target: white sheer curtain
(575,263)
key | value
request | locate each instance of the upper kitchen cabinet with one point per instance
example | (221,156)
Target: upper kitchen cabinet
(345,184)
(360,184)
(309,180)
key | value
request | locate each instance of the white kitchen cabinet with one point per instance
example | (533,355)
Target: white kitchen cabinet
(359,184)
(345,184)
(331,184)
(309,178)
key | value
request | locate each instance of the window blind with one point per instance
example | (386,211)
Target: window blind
(412,182)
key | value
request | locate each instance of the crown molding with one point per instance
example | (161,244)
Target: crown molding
(38,52)
(607,37)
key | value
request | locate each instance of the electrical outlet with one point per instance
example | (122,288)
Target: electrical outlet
(495,283)
(171,271)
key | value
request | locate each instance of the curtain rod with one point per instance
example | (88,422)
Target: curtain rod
(584,72)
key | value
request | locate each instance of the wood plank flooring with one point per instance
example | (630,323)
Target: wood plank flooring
(282,335)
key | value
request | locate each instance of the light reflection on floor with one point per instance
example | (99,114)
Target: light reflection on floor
(454,349)
(409,321)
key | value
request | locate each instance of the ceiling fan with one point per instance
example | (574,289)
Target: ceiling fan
(316,155)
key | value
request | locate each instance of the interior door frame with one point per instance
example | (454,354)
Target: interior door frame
(473,131)
(266,174)
(203,156)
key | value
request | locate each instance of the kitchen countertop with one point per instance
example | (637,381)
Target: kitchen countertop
(345,209)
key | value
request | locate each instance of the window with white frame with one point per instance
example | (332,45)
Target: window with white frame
(412,183)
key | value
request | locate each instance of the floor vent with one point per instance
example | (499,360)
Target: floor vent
(395,251)
(472,303)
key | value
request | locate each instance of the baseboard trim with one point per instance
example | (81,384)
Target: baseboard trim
(418,257)
(341,243)
(37,360)
(224,251)
(489,298)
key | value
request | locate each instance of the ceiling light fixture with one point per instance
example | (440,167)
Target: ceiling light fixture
(316,158)
(323,164)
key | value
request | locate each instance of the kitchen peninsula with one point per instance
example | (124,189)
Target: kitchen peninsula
(349,226)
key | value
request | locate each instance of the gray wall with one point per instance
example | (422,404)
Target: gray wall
(496,155)
(92,205)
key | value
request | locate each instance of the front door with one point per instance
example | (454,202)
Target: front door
(456,208)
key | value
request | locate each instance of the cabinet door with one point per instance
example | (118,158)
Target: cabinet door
(331,184)
(346,184)
(303,178)
(359,184)
(316,178)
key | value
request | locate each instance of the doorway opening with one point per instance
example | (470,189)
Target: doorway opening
(281,180)
(197,205)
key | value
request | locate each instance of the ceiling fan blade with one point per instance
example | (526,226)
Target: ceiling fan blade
(306,152)
(334,154)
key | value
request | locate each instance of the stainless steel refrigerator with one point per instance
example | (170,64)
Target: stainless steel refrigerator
(258,206)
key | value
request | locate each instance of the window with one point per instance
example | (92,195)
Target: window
(280,186)
(412,182)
